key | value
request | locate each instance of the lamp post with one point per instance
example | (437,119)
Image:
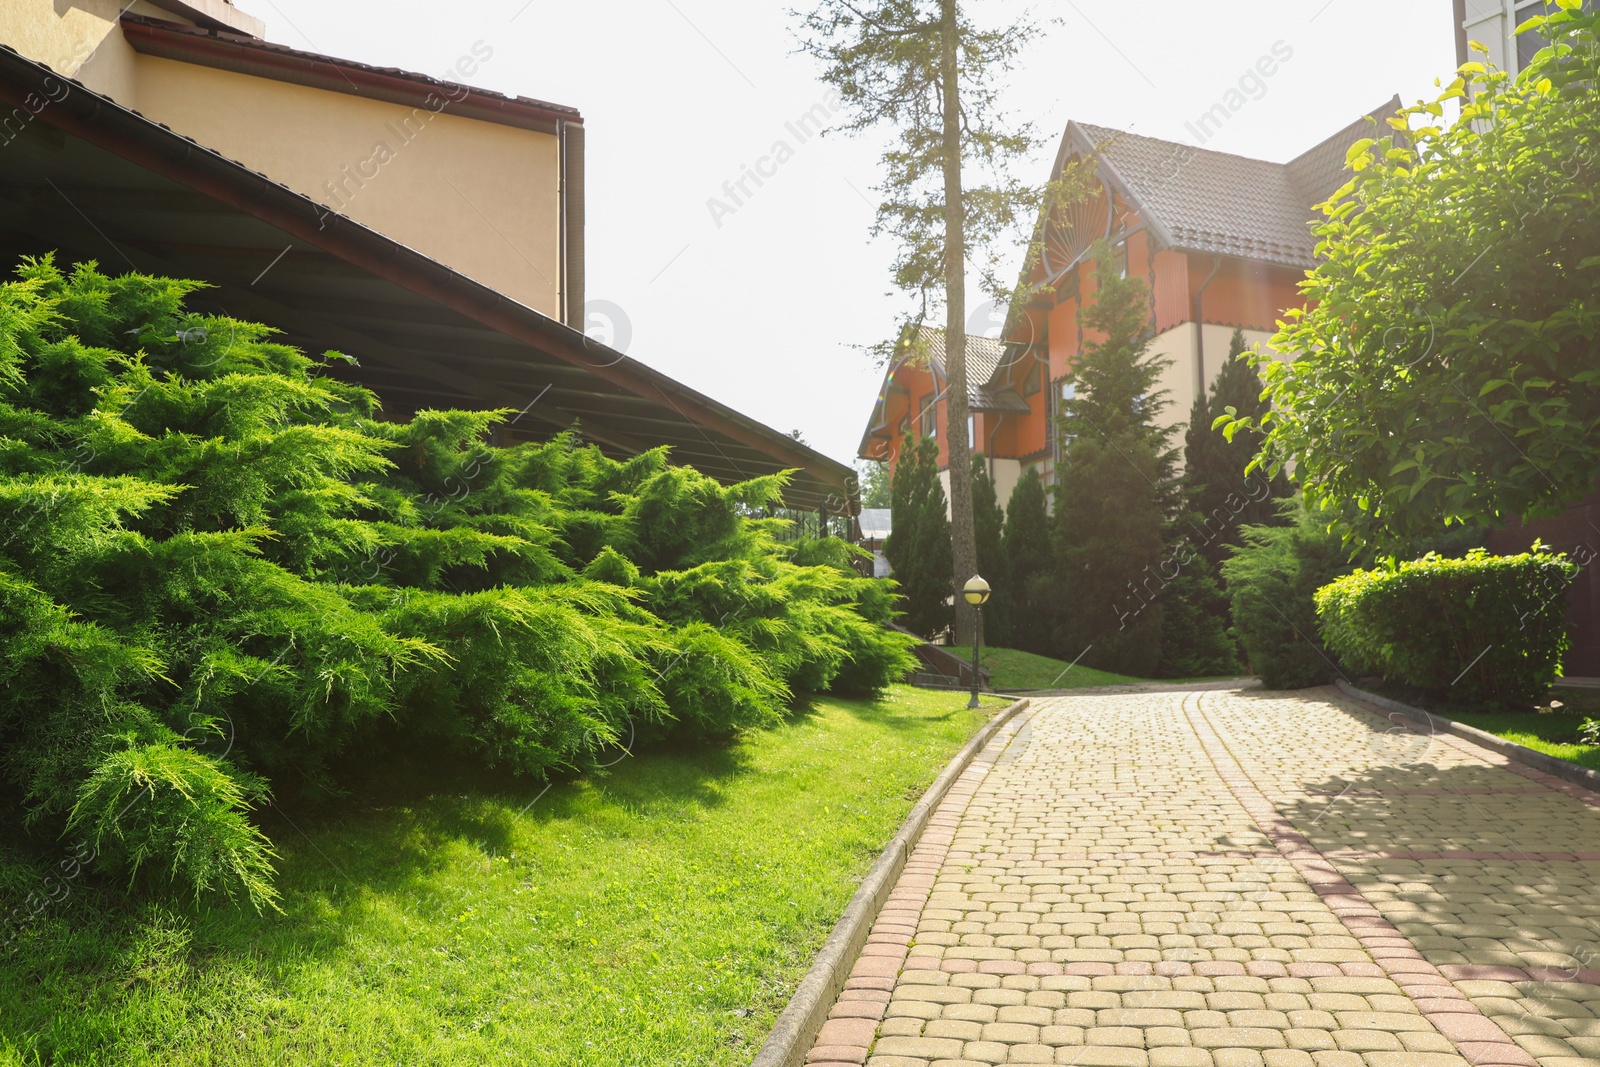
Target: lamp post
(977,592)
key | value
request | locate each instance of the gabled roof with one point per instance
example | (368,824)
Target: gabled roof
(1217,203)
(1318,172)
(94,180)
(986,358)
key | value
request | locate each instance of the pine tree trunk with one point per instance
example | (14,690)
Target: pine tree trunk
(963,548)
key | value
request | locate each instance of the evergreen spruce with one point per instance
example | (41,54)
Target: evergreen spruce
(1026,549)
(1218,495)
(989,522)
(1113,489)
(918,546)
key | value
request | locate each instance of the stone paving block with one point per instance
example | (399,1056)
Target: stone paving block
(1238,879)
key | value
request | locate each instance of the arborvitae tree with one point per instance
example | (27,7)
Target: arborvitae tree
(1218,496)
(1113,488)
(989,522)
(1026,549)
(918,546)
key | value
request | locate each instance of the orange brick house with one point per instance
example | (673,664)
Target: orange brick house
(1221,241)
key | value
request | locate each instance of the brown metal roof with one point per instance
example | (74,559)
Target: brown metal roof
(93,180)
(263,59)
(986,358)
(1217,203)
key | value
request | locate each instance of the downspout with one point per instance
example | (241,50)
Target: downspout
(1200,330)
(563,301)
(989,444)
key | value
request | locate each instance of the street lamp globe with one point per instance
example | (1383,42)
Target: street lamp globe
(976,590)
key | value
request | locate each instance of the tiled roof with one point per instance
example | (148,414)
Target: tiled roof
(1318,172)
(1223,204)
(985,356)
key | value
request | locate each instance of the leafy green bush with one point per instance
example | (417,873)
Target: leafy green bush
(1272,579)
(221,573)
(1480,629)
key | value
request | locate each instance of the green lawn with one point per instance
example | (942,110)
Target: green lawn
(1011,670)
(661,915)
(1553,732)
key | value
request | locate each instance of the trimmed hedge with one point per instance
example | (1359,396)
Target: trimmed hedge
(1480,629)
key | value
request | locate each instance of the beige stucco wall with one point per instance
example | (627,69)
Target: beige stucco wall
(480,197)
(1177,344)
(78,38)
(1006,473)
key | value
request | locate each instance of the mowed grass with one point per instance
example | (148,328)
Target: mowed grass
(660,915)
(1011,669)
(1551,731)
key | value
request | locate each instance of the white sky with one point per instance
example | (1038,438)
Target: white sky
(678,95)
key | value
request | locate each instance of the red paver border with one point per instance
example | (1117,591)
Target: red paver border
(846,1038)
(1484,972)
(1479,1038)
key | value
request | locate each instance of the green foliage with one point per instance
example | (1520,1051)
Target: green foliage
(1026,551)
(1194,625)
(1221,493)
(1113,488)
(1448,368)
(890,62)
(221,572)
(1477,630)
(874,479)
(989,525)
(1272,580)
(918,547)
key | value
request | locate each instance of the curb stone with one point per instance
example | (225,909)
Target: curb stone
(1565,769)
(797,1027)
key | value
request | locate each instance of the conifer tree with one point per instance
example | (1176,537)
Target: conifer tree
(1026,548)
(1218,495)
(222,577)
(918,546)
(927,69)
(989,523)
(1113,487)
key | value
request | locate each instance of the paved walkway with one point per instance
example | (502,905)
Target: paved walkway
(1227,878)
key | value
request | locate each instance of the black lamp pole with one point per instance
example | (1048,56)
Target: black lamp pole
(976,591)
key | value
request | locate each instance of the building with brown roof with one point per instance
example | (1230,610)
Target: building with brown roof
(1221,241)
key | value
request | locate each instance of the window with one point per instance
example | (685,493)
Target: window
(972,433)
(1529,43)
(1030,383)
(930,417)
(1064,391)
(1120,251)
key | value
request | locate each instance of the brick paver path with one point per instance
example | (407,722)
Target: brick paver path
(1227,878)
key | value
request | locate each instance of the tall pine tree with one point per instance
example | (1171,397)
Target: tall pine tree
(1113,487)
(918,546)
(1026,548)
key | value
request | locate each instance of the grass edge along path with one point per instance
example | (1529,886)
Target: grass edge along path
(663,914)
(1011,670)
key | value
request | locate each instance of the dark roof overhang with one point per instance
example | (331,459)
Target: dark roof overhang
(88,178)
